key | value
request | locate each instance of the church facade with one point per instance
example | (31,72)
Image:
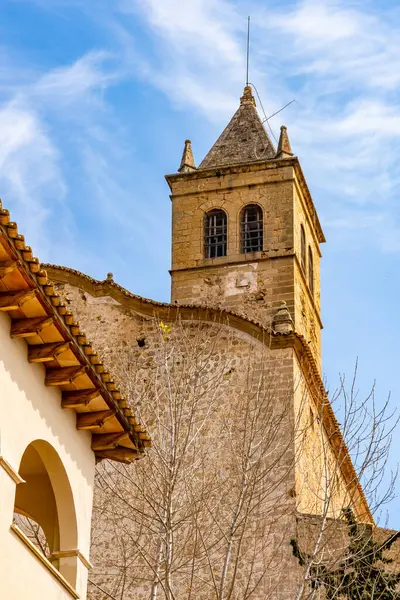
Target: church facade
(237,350)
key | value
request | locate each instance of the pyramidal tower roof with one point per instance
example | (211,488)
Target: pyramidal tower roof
(243,140)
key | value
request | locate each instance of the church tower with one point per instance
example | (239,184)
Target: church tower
(245,232)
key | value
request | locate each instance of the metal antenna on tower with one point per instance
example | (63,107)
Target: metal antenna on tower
(248,51)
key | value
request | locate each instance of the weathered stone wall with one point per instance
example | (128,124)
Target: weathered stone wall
(195,278)
(247,390)
(133,346)
(254,289)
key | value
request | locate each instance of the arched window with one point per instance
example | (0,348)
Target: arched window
(215,234)
(251,228)
(303,249)
(44,508)
(310,271)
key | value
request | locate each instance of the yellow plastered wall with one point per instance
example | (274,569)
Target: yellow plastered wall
(31,412)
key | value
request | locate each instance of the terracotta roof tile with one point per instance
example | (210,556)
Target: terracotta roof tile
(23,279)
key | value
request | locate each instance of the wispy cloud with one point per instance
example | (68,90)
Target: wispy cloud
(341,40)
(83,81)
(30,172)
(338,59)
(33,159)
(196,49)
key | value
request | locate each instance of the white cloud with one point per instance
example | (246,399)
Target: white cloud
(197,51)
(338,40)
(33,154)
(199,25)
(30,172)
(338,59)
(76,82)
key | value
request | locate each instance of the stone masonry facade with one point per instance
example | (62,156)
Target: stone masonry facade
(240,342)
(132,345)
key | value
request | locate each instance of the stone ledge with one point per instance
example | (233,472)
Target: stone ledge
(69,553)
(11,472)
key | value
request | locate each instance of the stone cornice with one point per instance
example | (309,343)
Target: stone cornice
(238,259)
(254,166)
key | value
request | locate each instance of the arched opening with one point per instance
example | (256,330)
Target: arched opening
(303,249)
(215,234)
(310,271)
(251,228)
(44,507)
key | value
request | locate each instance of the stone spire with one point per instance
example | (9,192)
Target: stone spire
(284,149)
(187,162)
(243,140)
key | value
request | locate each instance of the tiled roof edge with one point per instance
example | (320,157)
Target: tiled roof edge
(78,338)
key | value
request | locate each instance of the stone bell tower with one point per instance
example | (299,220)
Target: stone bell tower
(245,232)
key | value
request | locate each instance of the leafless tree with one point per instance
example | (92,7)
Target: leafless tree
(241,452)
(195,517)
(340,549)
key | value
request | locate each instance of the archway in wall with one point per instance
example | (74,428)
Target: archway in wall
(44,506)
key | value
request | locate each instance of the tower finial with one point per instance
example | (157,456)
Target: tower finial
(247,97)
(187,163)
(284,150)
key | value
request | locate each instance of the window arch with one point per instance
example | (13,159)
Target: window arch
(303,248)
(44,503)
(251,228)
(215,234)
(310,271)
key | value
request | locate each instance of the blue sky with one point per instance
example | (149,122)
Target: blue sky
(98,96)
